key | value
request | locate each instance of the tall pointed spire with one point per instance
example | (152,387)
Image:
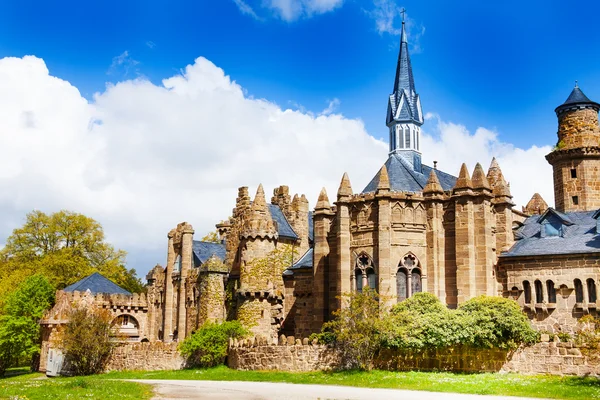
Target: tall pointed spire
(404,114)
(345,189)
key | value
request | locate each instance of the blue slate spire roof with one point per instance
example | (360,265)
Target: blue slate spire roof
(404,178)
(577,97)
(404,104)
(96,283)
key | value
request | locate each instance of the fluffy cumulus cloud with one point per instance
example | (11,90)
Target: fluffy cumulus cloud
(142,157)
(287,10)
(451,144)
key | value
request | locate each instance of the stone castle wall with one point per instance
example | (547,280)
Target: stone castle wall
(155,356)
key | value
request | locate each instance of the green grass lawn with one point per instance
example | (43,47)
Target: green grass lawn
(494,384)
(20,386)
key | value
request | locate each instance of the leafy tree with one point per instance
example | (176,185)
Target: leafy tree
(86,340)
(19,324)
(357,328)
(212,237)
(207,347)
(64,247)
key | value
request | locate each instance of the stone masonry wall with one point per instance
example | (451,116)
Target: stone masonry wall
(288,354)
(291,354)
(156,356)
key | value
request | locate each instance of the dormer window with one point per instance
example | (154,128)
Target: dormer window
(553,223)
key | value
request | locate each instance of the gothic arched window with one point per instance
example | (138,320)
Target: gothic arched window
(416,281)
(364,273)
(402,284)
(578,291)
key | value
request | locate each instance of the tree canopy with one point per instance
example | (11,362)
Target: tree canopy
(64,247)
(19,320)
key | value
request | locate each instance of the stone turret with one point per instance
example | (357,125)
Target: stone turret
(260,294)
(576,159)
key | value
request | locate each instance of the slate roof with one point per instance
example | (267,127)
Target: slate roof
(305,262)
(204,250)
(576,97)
(403,177)
(96,283)
(580,237)
(283,226)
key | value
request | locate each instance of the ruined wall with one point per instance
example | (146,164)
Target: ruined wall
(155,356)
(299,304)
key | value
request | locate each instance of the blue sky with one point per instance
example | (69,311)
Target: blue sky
(93,128)
(481,63)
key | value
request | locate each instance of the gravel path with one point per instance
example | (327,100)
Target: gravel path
(217,390)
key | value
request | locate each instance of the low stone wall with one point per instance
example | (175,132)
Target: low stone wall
(456,359)
(289,354)
(553,358)
(152,356)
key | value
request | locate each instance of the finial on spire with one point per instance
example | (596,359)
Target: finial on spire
(403,12)
(576,85)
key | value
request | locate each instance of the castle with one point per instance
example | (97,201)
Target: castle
(281,267)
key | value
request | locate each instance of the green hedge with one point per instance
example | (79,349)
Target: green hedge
(207,347)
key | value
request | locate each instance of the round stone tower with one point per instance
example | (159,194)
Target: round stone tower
(576,157)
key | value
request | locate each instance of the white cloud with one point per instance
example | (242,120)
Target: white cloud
(142,157)
(451,144)
(289,10)
(246,9)
(125,65)
(332,107)
(388,19)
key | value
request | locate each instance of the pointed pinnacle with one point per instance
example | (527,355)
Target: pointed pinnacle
(502,189)
(384,179)
(259,201)
(464,180)
(479,180)
(433,184)
(494,172)
(345,188)
(323,202)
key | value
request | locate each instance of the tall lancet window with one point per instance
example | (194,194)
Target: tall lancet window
(177,264)
(407,137)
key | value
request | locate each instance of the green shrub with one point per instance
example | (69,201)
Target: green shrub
(87,340)
(324,337)
(420,303)
(357,329)
(207,347)
(498,322)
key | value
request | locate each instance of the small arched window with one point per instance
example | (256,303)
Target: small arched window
(591,287)
(364,273)
(578,291)
(527,291)
(551,291)
(539,292)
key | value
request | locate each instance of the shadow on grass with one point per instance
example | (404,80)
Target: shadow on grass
(12,372)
